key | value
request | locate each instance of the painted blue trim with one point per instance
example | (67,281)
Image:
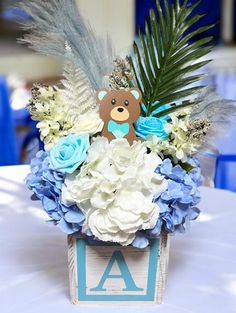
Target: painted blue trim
(81,267)
(81,245)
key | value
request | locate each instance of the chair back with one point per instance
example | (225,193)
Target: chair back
(225,177)
(8,151)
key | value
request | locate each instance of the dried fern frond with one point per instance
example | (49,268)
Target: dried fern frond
(77,92)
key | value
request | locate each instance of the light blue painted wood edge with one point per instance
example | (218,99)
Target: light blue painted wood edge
(81,272)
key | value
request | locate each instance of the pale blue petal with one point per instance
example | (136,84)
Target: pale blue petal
(140,241)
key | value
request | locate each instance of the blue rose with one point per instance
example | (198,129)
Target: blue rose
(146,126)
(69,153)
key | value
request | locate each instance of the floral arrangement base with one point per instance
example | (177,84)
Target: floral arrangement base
(109,273)
(122,141)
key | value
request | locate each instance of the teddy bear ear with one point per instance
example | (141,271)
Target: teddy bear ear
(101,94)
(136,93)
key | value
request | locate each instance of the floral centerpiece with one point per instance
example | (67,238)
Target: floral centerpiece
(111,190)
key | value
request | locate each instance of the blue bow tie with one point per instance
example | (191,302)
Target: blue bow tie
(118,130)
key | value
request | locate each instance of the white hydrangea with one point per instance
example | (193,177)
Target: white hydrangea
(115,189)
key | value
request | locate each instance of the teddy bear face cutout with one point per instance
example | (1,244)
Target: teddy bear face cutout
(119,109)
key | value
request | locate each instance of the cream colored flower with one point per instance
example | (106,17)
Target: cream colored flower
(89,123)
(179,145)
(115,189)
(49,133)
(56,117)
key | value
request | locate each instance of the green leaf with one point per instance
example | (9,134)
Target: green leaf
(191,47)
(182,106)
(162,25)
(186,166)
(166,58)
(146,58)
(157,38)
(199,53)
(184,71)
(151,47)
(186,81)
(198,31)
(143,76)
(168,14)
(192,21)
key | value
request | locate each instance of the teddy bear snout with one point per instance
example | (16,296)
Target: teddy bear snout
(120,114)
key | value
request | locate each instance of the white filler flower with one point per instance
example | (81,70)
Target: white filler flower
(115,189)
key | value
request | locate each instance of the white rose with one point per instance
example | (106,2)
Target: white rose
(89,123)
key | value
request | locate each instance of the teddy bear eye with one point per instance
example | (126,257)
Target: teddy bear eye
(126,102)
(113,101)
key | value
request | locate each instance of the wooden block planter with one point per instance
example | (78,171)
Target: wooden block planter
(111,273)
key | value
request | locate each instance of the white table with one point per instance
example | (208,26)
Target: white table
(33,257)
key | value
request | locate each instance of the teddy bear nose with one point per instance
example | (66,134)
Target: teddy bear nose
(120,110)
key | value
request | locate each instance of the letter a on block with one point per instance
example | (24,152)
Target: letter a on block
(118,257)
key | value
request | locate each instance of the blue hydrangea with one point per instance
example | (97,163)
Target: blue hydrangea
(178,204)
(141,241)
(47,185)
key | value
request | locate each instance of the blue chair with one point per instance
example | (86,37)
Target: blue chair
(28,139)
(8,150)
(225,177)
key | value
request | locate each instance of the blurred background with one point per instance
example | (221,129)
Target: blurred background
(20,67)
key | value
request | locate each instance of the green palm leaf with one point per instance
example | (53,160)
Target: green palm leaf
(165,59)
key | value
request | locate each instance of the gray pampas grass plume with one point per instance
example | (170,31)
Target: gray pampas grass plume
(57,23)
(219,112)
